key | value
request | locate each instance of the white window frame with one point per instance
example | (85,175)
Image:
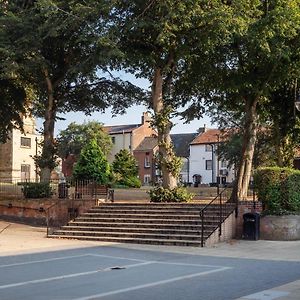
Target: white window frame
(25,142)
(147,179)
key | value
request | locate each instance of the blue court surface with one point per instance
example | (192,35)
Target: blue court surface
(115,273)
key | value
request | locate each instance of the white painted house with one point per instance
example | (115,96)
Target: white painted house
(205,166)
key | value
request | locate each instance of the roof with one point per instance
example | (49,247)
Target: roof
(120,128)
(209,136)
(182,142)
(148,144)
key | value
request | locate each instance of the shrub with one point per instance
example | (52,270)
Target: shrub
(178,194)
(37,190)
(131,181)
(125,170)
(278,189)
(92,164)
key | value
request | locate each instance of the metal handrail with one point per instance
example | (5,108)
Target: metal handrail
(220,196)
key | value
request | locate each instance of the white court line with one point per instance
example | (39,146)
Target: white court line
(43,260)
(116,257)
(12,285)
(147,285)
(185,264)
(67,257)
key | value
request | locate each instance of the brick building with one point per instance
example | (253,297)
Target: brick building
(129,136)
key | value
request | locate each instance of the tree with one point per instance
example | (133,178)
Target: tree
(13,107)
(156,37)
(284,123)
(125,169)
(63,48)
(92,164)
(259,53)
(76,136)
(15,92)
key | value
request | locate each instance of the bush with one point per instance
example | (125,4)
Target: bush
(178,194)
(132,182)
(278,189)
(37,190)
(92,164)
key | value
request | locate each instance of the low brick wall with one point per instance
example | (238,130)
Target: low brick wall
(34,211)
(243,208)
(228,232)
(280,228)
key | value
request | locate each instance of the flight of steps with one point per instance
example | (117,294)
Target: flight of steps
(157,223)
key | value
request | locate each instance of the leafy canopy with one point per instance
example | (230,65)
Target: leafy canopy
(76,136)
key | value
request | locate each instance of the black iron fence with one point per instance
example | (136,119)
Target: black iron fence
(83,189)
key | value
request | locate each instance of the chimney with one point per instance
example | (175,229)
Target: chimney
(146,118)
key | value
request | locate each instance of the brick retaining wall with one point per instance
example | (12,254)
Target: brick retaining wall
(33,212)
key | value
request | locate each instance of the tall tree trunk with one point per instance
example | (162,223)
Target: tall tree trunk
(249,140)
(164,139)
(48,150)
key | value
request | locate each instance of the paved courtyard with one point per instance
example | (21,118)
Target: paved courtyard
(34,267)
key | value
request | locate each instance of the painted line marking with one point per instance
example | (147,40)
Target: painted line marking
(191,265)
(67,257)
(266,295)
(13,285)
(43,260)
(115,257)
(147,285)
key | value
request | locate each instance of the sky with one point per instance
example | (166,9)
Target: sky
(132,116)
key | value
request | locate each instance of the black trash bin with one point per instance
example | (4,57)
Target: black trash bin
(251,226)
(62,190)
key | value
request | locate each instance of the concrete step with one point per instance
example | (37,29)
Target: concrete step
(129,234)
(140,215)
(135,230)
(141,220)
(155,223)
(140,225)
(145,211)
(170,242)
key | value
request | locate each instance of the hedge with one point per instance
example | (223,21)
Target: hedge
(278,189)
(36,190)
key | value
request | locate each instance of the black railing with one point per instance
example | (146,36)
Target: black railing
(14,189)
(222,209)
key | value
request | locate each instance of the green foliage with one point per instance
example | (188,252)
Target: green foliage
(178,194)
(92,164)
(125,169)
(13,99)
(37,190)
(278,189)
(127,182)
(76,136)
(61,47)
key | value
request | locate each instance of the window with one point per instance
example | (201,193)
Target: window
(147,179)
(208,164)
(113,139)
(147,161)
(185,166)
(208,148)
(223,164)
(25,172)
(25,142)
